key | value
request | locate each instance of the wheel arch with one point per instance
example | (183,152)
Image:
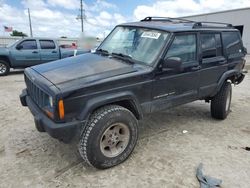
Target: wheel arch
(5,58)
(126,100)
(231,76)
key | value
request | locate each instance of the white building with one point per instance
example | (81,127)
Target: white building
(239,18)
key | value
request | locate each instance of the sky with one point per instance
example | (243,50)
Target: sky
(56,18)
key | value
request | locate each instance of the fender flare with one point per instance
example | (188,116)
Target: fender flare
(97,102)
(224,77)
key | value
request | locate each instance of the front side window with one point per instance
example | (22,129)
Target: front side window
(211,45)
(47,44)
(28,45)
(140,44)
(184,47)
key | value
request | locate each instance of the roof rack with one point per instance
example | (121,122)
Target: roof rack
(211,24)
(196,24)
(166,19)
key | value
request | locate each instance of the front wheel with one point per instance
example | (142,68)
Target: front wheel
(4,68)
(109,137)
(221,102)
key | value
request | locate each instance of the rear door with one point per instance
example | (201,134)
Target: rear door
(172,88)
(25,53)
(213,62)
(49,51)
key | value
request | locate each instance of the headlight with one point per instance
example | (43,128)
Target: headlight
(50,101)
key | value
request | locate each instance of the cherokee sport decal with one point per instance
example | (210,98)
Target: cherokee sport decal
(164,95)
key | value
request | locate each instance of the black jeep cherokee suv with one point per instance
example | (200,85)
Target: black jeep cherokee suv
(140,68)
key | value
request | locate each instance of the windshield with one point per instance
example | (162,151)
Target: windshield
(140,44)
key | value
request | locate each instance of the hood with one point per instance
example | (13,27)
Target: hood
(87,68)
(4,51)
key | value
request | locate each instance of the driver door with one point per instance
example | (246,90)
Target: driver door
(171,87)
(25,53)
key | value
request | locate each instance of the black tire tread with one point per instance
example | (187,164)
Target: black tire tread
(219,101)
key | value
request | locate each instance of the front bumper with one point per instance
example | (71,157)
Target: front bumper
(61,131)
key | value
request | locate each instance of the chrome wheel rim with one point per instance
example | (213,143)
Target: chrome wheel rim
(3,68)
(228,101)
(114,140)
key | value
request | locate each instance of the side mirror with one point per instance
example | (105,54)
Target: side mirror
(19,47)
(172,63)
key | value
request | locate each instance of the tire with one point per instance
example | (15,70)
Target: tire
(39,128)
(109,137)
(4,68)
(221,102)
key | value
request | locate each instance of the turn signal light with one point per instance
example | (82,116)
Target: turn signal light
(61,109)
(50,114)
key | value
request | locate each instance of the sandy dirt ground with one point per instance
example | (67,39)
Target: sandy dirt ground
(163,157)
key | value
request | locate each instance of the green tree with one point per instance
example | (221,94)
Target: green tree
(16,33)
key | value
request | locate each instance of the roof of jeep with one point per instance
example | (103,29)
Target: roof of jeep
(176,26)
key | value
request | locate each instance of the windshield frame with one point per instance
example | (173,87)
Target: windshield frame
(161,51)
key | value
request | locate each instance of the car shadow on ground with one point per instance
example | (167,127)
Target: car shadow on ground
(174,118)
(15,72)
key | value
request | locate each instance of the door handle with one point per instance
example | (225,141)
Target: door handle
(54,52)
(196,68)
(35,52)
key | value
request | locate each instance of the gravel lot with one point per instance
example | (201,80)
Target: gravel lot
(164,156)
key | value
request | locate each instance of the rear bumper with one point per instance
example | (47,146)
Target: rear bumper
(241,76)
(61,131)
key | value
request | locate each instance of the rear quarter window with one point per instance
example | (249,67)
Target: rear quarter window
(232,44)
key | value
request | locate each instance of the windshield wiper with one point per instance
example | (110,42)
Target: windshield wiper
(105,52)
(123,57)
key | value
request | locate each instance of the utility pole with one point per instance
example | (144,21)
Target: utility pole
(31,34)
(82,15)
(81,9)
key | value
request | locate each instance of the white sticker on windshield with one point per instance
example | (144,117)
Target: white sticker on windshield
(152,35)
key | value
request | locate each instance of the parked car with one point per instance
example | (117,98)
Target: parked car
(32,51)
(140,68)
(72,46)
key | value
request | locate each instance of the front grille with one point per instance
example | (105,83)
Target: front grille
(36,94)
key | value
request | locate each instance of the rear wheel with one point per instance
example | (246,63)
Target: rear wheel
(4,68)
(109,137)
(221,102)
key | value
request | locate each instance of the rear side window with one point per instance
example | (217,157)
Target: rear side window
(184,47)
(211,45)
(47,44)
(232,43)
